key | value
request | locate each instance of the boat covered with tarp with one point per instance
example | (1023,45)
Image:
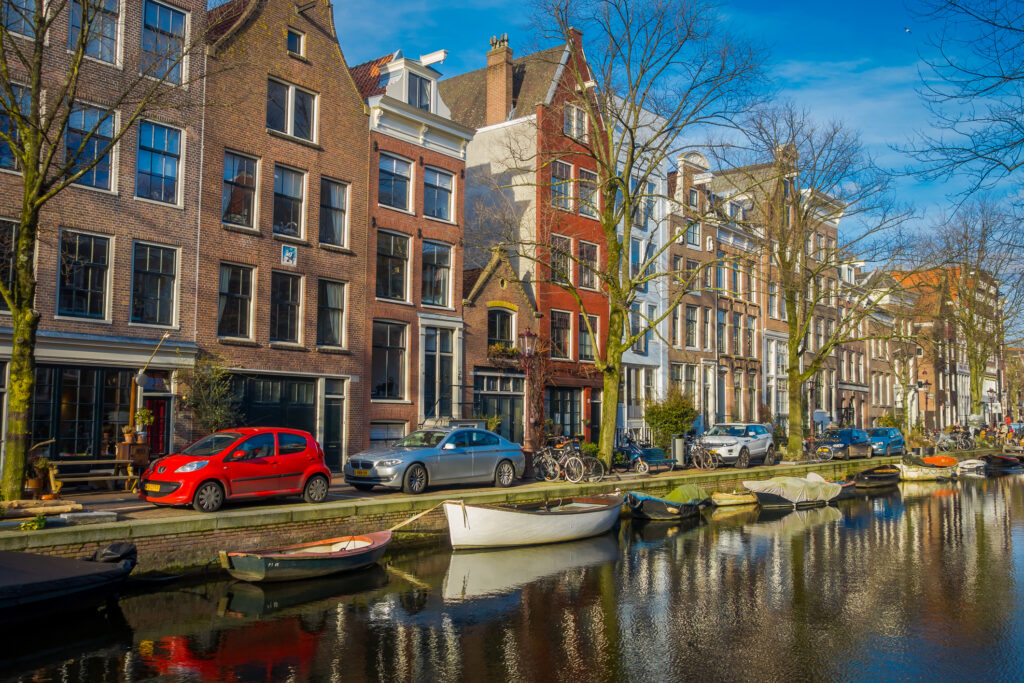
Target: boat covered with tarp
(680,503)
(794,492)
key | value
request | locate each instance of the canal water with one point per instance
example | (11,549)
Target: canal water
(919,582)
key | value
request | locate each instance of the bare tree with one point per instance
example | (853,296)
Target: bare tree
(53,139)
(1013,372)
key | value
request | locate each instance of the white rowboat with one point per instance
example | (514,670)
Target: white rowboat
(919,473)
(553,521)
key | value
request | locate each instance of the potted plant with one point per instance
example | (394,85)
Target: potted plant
(916,442)
(129,434)
(36,477)
(143,419)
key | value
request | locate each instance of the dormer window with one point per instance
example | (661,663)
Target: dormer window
(419,92)
(296,43)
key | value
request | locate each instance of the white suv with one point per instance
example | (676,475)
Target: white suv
(740,443)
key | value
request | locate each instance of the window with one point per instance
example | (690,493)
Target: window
(691,381)
(392,261)
(693,235)
(384,434)
(673,326)
(238,194)
(643,204)
(691,326)
(735,278)
(652,315)
(101,40)
(707,329)
(586,340)
(588,265)
(693,197)
(153,275)
(675,376)
(296,42)
(290,110)
(330,313)
(720,273)
(17,16)
(636,259)
(83,275)
(773,300)
(289,189)
(737,324)
(436,269)
(393,182)
(333,202)
(561,334)
(635,325)
(234,303)
(575,124)
(438,362)
(720,332)
(290,443)
(419,92)
(8,233)
(751,330)
(7,126)
(437,194)
(692,278)
(163,42)
(156,171)
(285,305)
(561,185)
(589,197)
(561,264)
(388,366)
(81,150)
(499,327)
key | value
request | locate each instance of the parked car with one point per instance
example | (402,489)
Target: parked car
(438,456)
(740,443)
(233,464)
(846,443)
(886,441)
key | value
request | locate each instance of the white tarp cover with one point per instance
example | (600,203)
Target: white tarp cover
(796,490)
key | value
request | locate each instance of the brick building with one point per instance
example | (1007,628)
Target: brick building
(285,246)
(417,199)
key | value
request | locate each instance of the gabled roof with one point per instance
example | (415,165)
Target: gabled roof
(367,76)
(224,19)
(474,280)
(532,75)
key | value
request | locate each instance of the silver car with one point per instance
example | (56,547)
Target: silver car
(741,443)
(438,456)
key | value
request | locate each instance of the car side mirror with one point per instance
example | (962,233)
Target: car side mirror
(448,446)
(238,455)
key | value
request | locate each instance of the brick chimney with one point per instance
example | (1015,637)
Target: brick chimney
(499,80)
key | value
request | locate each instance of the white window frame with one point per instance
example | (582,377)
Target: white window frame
(586,209)
(178,192)
(570,345)
(186,41)
(346,287)
(255,191)
(302,41)
(571,116)
(253,281)
(567,251)
(289,115)
(301,319)
(305,205)
(118,62)
(346,231)
(451,195)
(410,197)
(569,196)
(581,269)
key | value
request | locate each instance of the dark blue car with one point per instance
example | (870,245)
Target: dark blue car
(886,441)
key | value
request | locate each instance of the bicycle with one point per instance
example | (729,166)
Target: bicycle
(702,457)
(552,463)
(593,469)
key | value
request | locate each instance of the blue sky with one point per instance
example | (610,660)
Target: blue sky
(853,61)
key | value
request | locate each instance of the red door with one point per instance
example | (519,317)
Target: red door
(158,431)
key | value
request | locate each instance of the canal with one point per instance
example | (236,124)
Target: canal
(918,582)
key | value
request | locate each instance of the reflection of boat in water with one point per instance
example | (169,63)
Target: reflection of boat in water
(789,523)
(652,532)
(258,600)
(476,574)
(737,515)
(911,490)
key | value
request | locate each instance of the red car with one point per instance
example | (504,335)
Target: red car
(234,464)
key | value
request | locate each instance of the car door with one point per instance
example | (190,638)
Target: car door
(486,453)
(254,468)
(454,461)
(897,440)
(293,456)
(764,437)
(861,444)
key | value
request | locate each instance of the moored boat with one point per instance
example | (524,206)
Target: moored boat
(941,460)
(883,475)
(726,498)
(307,560)
(972,466)
(794,492)
(1001,461)
(680,503)
(552,521)
(916,469)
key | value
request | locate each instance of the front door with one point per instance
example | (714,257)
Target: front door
(158,433)
(256,470)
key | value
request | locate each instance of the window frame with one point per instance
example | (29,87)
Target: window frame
(431,86)
(561,251)
(562,196)
(511,341)
(250,312)
(573,118)
(406,270)
(289,32)
(583,269)
(568,341)
(25,96)
(108,267)
(255,190)
(118,34)
(298,306)
(114,117)
(589,203)
(427,187)
(304,185)
(402,383)
(179,165)
(447,303)
(289,112)
(595,322)
(347,196)
(320,307)
(175,285)
(183,64)
(409,181)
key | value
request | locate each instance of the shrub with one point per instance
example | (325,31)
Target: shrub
(589,448)
(674,414)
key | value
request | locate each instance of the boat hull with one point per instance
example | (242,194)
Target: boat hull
(492,526)
(918,473)
(997,461)
(290,563)
(771,501)
(644,507)
(44,583)
(720,499)
(877,477)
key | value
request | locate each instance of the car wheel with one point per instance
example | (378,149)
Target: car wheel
(504,474)
(415,479)
(209,497)
(315,490)
(769,456)
(363,487)
(743,459)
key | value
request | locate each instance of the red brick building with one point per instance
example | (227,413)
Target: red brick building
(526,155)
(414,277)
(284,244)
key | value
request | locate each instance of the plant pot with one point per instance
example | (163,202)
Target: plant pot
(33,487)
(916,450)
(928,450)
(129,438)
(140,437)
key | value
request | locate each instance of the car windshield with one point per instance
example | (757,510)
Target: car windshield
(878,432)
(212,444)
(421,439)
(840,436)
(727,430)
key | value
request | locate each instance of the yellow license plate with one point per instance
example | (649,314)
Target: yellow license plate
(823,450)
(361,473)
(152,487)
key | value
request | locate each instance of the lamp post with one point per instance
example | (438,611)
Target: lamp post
(991,410)
(926,385)
(527,342)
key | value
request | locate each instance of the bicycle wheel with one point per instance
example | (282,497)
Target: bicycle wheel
(572,469)
(547,468)
(945,446)
(825,456)
(593,469)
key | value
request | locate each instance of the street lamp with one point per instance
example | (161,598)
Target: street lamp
(527,342)
(926,385)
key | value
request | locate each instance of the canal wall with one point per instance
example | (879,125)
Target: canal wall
(171,543)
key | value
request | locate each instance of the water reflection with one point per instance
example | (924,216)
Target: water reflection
(917,581)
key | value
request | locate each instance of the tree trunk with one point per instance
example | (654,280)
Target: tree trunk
(795,445)
(19,400)
(612,378)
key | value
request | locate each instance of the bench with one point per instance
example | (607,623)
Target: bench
(109,470)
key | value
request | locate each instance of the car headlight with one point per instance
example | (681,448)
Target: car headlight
(389,463)
(192,466)
(728,443)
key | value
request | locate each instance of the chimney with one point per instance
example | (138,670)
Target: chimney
(499,80)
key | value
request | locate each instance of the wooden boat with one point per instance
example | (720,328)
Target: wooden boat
(1001,461)
(722,498)
(42,583)
(307,560)
(941,460)
(682,502)
(924,472)
(794,492)
(972,466)
(883,475)
(552,521)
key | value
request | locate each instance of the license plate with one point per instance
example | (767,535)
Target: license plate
(152,487)
(823,450)
(361,473)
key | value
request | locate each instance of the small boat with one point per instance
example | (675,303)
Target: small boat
(1001,461)
(847,488)
(972,466)
(916,469)
(883,475)
(680,503)
(793,492)
(722,498)
(307,560)
(551,521)
(42,583)
(941,460)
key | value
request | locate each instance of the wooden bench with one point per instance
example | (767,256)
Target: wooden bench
(108,471)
